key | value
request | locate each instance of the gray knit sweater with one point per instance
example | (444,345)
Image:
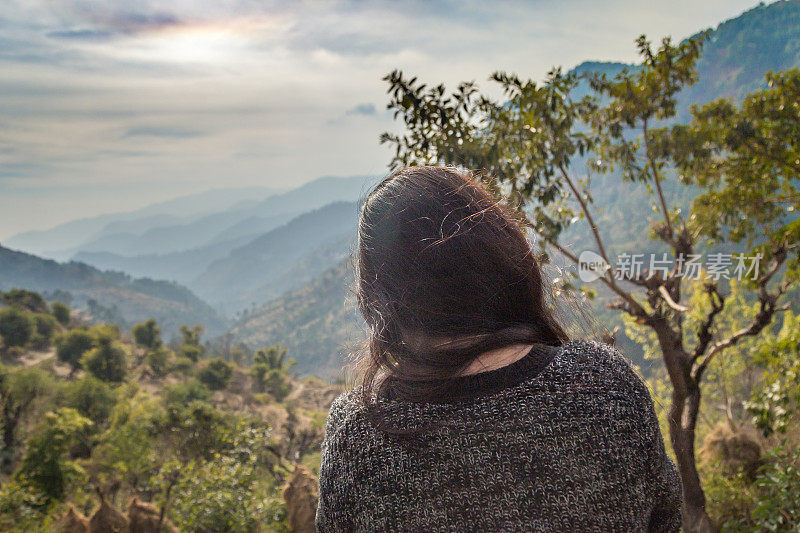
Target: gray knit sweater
(570,443)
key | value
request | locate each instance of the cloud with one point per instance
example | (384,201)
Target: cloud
(366,109)
(163,132)
(81,35)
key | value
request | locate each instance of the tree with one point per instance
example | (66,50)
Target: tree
(18,391)
(191,347)
(147,334)
(270,370)
(16,327)
(46,465)
(71,346)
(107,361)
(216,374)
(61,312)
(742,160)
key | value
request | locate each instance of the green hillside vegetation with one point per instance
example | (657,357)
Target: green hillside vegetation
(102,427)
(107,295)
(317,322)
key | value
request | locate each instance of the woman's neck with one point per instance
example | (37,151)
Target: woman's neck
(494,359)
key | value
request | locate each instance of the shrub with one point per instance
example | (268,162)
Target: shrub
(91,397)
(147,334)
(192,352)
(107,361)
(61,313)
(158,360)
(183,365)
(44,326)
(185,393)
(216,374)
(16,327)
(28,300)
(71,346)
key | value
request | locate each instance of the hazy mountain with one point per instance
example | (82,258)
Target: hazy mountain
(62,240)
(223,232)
(266,266)
(115,295)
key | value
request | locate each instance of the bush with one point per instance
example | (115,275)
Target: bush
(16,327)
(157,360)
(185,393)
(107,362)
(91,397)
(147,334)
(216,374)
(71,346)
(192,352)
(27,300)
(61,313)
(183,365)
(44,327)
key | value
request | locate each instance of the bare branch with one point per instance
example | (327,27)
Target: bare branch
(662,290)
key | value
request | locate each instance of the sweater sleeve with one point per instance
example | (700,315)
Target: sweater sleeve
(335,507)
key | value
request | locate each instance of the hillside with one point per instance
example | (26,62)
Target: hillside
(317,322)
(114,295)
(207,444)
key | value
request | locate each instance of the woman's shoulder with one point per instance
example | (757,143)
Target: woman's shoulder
(347,409)
(601,364)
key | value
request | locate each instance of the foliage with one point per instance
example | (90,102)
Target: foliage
(107,361)
(19,389)
(774,405)
(147,334)
(270,370)
(71,346)
(44,327)
(46,465)
(25,300)
(158,361)
(91,397)
(16,327)
(216,374)
(61,312)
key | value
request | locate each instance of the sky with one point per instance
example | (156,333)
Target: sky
(108,106)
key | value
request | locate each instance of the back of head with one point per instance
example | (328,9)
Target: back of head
(445,272)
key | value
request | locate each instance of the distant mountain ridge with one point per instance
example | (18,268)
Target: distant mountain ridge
(130,300)
(67,236)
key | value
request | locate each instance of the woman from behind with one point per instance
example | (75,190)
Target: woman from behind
(475,412)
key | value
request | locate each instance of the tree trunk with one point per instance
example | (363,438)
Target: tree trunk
(682,421)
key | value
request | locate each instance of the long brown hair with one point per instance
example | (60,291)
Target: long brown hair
(444,273)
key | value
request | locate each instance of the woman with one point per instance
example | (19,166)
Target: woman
(475,412)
